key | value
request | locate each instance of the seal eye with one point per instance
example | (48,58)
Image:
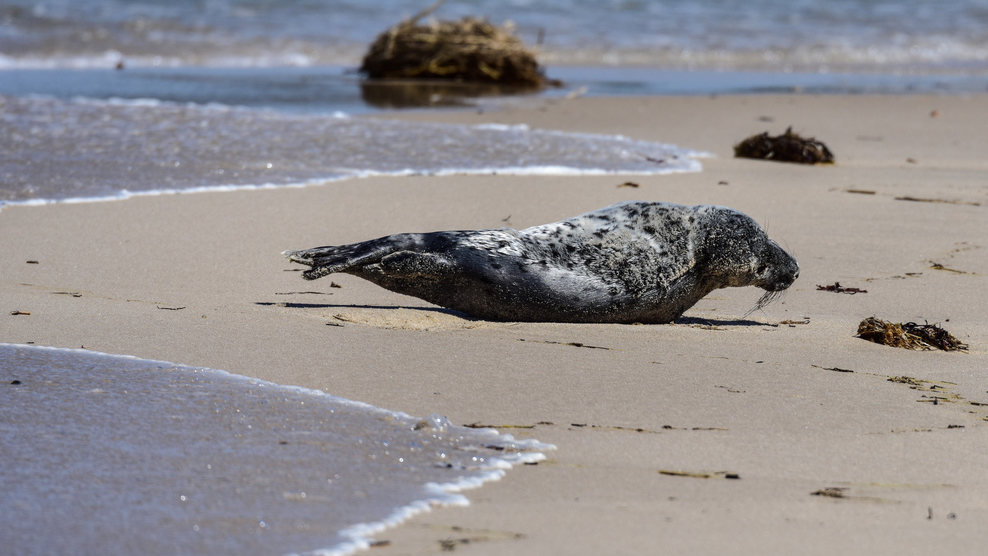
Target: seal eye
(763,269)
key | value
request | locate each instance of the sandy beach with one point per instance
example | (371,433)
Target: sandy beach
(786,399)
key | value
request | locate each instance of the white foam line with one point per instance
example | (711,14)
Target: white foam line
(155,103)
(125,194)
(442,495)
(690,165)
(436,494)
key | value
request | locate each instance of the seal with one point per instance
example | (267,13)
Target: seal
(641,262)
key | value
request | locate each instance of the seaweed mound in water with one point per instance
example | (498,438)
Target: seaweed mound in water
(469,50)
(909,335)
(788,147)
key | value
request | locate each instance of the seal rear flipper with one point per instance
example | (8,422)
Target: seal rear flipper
(322,260)
(350,258)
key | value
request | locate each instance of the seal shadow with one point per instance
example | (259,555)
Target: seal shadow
(717,322)
(424,310)
(393,317)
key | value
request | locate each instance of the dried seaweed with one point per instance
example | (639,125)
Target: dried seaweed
(573,344)
(701,474)
(469,50)
(788,147)
(947,201)
(938,266)
(837,288)
(909,335)
(830,492)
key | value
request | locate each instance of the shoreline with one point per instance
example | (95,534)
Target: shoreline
(325,89)
(716,392)
(341,480)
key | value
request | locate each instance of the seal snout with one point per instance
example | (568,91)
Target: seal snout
(780,273)
(780,284)
(785,277)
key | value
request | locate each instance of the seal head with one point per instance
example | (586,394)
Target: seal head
(629,262)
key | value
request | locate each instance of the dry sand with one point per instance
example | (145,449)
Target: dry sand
(198,279)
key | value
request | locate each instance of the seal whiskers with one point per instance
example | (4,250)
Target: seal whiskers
(765,300)
(629,262)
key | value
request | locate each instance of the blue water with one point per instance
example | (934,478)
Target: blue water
(301,54)
(886,35)
(104,454)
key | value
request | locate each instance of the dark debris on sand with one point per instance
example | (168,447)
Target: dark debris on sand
(468,50)
(909,335)
(788,147)
(837,288)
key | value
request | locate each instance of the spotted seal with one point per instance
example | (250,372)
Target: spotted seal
(634,261)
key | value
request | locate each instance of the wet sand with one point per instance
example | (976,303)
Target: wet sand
(787,399)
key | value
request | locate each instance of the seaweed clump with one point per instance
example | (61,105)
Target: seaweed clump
(468,50)
(909,335)
(788,147)
(837,288)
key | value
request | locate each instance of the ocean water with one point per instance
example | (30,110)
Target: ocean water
(251,93)
(907,35)
(103,454)
(300,54)
(86,150)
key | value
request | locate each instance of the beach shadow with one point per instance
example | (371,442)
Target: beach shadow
(425,311)
(422,93)
(393,317)
(695,321)
(293,305)
(341,306)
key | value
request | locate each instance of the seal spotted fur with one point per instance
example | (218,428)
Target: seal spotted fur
(629,262)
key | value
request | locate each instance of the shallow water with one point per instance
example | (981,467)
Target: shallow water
(104,454)
(329,89)
(58,150)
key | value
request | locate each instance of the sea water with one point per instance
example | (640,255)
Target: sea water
(83,149)
(301,54)
(908,35)
(103,454)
